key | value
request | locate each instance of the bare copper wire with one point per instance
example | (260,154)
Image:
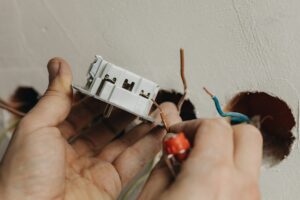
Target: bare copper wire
(208,92)
(162,115)
(5,106)
(182,99)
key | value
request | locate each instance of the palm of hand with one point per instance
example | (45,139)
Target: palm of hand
(56,171)
(41,164)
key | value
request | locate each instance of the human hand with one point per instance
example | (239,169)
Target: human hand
(41,164)
(224,163)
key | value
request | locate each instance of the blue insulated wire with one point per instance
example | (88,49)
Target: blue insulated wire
(236,118)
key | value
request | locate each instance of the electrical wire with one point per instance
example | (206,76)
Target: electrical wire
(5,106)
(235,117)
(9,128)
(185,91)
(162,115)
(184,96)
(139,181)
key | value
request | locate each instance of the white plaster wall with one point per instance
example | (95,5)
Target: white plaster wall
(230,46)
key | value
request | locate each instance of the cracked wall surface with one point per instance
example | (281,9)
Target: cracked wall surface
(230,46)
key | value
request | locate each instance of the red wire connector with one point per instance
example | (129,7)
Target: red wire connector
(177,145)
(176,149)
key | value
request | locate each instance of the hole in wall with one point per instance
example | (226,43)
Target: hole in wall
(24,98)
(273,117)
(187,111)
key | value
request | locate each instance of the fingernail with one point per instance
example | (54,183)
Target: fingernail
(53,68)
(62,70)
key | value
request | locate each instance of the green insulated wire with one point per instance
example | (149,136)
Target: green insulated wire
(235,117)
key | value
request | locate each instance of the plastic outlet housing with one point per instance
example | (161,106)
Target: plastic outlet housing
(119,88)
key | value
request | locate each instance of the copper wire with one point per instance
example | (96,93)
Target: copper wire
(162,115)
(182,99)
(266,118)
(208,92)
(5,106)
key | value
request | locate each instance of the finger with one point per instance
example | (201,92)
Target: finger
(188,127)
(84,111)
(109,128)
(103,132)
(135,157)
(158,181)
(56,103)
(81,115)
(213,139)
(112,150)
(247,148)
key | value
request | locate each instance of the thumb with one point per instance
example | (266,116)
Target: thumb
(55,104)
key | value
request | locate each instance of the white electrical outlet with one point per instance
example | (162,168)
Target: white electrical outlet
(119,88)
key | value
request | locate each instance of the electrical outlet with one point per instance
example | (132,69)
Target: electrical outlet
(119,88)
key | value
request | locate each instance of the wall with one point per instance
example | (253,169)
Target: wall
(230,46)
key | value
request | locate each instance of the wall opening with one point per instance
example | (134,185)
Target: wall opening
(187,110)
(273,117)
(24,98)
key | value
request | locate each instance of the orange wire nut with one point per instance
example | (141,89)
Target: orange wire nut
(177,145)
